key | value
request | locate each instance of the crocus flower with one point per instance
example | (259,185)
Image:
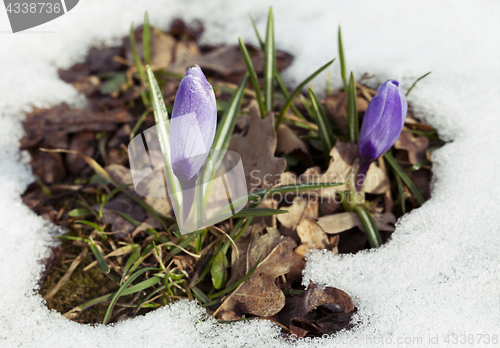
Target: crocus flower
(382,124)
(193,123)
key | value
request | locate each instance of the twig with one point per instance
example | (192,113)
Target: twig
(66,275)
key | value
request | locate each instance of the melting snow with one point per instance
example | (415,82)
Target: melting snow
(439,275)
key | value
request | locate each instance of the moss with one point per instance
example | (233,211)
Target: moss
(80,288)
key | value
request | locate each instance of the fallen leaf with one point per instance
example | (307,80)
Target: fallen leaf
(118,223)
(259,241)
(299,210)
(261,245)
(288,141)
(223,60)
(83,143)
(256,148)
(187,54)
(259,295)
(336,105)
(191,32)
(121,136)
(48,166)
(161,48)
(410,121)
(344,154)
(415,146)
(100,59)
(302,309)
(184,263)
(122,176)
(341,222)
(52,125)
(422,179)
(311,236)
(298,332)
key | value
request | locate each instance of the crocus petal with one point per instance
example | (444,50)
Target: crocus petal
(194,119)
(383,121)
(187,146)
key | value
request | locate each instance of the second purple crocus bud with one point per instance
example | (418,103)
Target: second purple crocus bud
(382,124)
(193,123)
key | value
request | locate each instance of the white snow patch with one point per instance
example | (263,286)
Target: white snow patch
(439,275)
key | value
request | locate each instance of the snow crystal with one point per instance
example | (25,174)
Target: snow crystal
(439,275)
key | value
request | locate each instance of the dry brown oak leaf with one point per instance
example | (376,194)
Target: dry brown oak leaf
(415,146)
(256,148)
(259,295)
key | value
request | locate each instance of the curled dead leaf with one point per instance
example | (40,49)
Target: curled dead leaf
(259,295)
(300,310)
(415,146)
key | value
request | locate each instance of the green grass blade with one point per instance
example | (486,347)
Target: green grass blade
(324,129)
(297,90)
(143,304)
(342,60)
(200,295)
(406,179)
(146,34)
(296,188)
(132,290)
(80,212)
(261,42)
(89,223)
(269,63)
(191,236)
(137,60)
(126,217)
(306,104)
(402,196)
(226,125)
(414,83)
(121,289)
(130,261)
(138,124)
(277,75)
(144,254)
(352,111)
(258,212)
(253,77)
(369,225)
(99,257)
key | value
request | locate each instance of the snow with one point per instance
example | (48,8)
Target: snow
(440,274)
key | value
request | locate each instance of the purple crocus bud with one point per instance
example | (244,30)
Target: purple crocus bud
(193,123)
(382,124)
